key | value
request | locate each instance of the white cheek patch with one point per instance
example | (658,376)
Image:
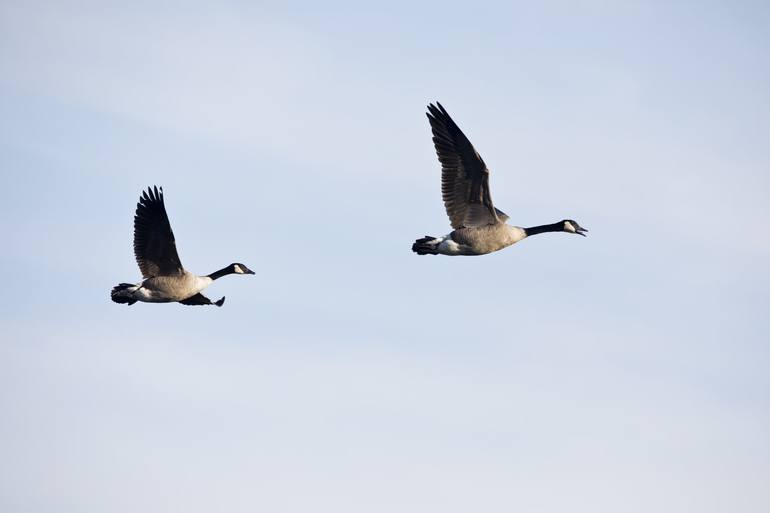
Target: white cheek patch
(238,269)
(568,226)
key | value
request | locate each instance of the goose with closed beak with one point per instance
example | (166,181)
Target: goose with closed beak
(478,227)
(165,280)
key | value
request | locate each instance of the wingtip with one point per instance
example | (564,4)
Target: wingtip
(438,112)
(152,193)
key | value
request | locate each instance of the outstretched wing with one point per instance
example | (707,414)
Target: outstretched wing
(464,176)
(154,245)
(200,299)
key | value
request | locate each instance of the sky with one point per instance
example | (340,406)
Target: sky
(622,372)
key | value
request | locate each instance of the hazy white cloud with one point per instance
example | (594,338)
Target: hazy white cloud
(207,73)
(270,426)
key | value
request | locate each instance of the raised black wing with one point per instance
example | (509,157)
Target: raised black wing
(464,176)
(200,299)
(154,245)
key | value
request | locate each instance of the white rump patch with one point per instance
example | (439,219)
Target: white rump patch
(447,246)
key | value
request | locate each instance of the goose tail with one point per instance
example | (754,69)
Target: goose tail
(123,293)
(426,246)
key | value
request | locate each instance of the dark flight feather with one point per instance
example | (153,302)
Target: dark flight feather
(464,176)
(154,244)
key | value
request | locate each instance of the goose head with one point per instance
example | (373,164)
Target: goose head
(239,269)
(571,226)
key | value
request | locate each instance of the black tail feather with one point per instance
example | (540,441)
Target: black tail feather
(120,298)
(424,246)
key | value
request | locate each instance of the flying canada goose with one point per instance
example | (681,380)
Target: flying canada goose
(479,228)
(165,280)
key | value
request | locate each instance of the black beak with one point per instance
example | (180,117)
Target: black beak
(250,272)
(580,231)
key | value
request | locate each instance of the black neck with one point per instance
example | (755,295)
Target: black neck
(555,227)
(222,272)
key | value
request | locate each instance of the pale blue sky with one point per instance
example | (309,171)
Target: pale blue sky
(624,372)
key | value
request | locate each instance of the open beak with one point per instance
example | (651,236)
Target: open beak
(581,231)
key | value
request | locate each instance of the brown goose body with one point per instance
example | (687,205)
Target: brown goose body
(479,227)
(165,279)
